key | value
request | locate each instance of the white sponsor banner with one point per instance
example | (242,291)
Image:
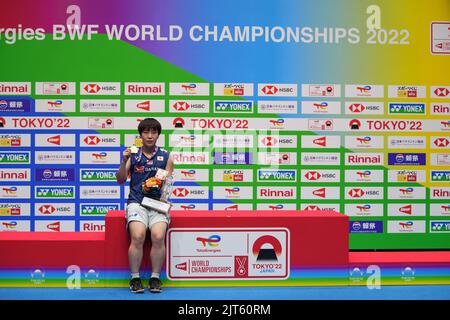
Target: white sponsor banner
(190,206)
(409,142)
(14,225)
(276,206)
(54,140)
(233,141)
(321,158)
(188,140)
(440,193)
(144,88)
(321,107)
(277,141)
(406,193)
(191,174)
(364,210)
(440,142)
(363,193)
(14,191)
(100,88)
(15,88)
(439,108)
(55,105)
(318,175)
(321,90)
(277,158)
(440,92)
(54,209)
(277,90)
(96,192)
(100,157)
(54,226)
(364,175)
(99,140)
(15,140)
(150,106)
(92,226)
(406,210)
(14,210)
(320,207)
(440,209)
(55,88)
(54,192)
(135,139)
(190,157)
(232,206)
(321,142)
(406,176)
(364,107)
(276,193)
(364,142)
(60,157)
(99,105)
(406,226)
(10,175)
(364,91)
(189,106)
(364,159)
(233,192)
(233,89)
(317,193)
(278,107)
(223,253)
(407,91)
(189,192)
(440,159)
(233,175)
(190,89)
(15,157)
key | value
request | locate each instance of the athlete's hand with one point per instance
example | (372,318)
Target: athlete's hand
(126,155)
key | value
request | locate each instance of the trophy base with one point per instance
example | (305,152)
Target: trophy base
(153,204)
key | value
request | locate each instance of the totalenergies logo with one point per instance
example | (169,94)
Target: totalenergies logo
(10,191)
(267,248)
(276,207)
(364,140)
(190,138)
(187,207)
(189,87)
(364,174)
(233,191)
(365,89)
(188,173)
(406,191)
(406,225)
(212,241)
(10,225)
(364,208)
(323,106)
(277,122)
(55,103)
(100,156)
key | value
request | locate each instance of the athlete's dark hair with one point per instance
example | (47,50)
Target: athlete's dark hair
(149,124)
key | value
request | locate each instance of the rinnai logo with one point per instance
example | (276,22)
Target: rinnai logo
(320,192)
(312,175)
(47,209)
(92,140)
(20,88)
(92,88)
(322,141)
(406,209)
(356,193)
(441,142)
(55,140)
(269,90)
(142,88)
(181,106)
(364,159)
(56,226)
(181,266)
(441,92)
(180,192)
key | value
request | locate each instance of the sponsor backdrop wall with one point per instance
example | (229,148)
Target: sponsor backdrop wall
(277,105)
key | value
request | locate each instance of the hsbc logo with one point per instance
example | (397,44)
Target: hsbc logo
(180,192)
(269,141)
(47,209)
(441,142)
(92,140)
(181,106)
(92,88)
(441,92)
(356,193)
(312,175)
(269,90)
(320,192)
(54,140)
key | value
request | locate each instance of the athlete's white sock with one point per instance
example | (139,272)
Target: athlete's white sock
(135,275)
(155,275)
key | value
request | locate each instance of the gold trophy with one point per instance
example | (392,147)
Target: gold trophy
(161,181)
